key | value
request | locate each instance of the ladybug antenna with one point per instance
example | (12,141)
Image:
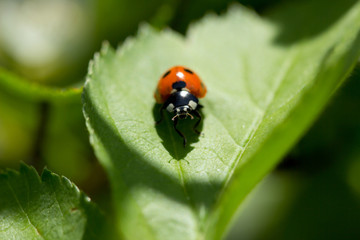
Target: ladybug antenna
(187,114)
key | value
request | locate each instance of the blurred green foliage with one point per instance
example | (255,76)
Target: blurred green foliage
(44,53)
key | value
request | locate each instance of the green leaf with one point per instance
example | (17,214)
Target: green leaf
(267,77)
(14,84)
(50,207)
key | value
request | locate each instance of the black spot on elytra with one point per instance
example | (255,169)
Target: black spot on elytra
(165,74)
(189,71)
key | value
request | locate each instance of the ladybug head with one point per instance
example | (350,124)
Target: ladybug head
(182,112)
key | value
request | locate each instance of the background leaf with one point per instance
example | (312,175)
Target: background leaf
(47,208)
(266,84)
(13,83)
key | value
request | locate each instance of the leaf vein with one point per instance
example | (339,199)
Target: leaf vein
(284,70)
(22,210)
(119,135)
(246,79)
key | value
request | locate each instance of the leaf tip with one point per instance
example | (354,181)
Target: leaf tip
(105,47)
(27,170)
(46,174)
(145,29)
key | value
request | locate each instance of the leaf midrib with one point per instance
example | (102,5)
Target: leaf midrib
(181,175)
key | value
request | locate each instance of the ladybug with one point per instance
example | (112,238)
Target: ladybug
(178,91)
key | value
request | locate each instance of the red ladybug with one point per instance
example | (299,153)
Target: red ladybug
(178,91)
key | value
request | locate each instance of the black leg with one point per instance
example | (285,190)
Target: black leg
(179,132)
(197,114)
(161,115)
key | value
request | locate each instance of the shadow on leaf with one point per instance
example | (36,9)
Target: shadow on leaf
(129,171)
(171,140)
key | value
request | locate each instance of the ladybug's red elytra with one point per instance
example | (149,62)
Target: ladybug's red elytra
(178,91)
